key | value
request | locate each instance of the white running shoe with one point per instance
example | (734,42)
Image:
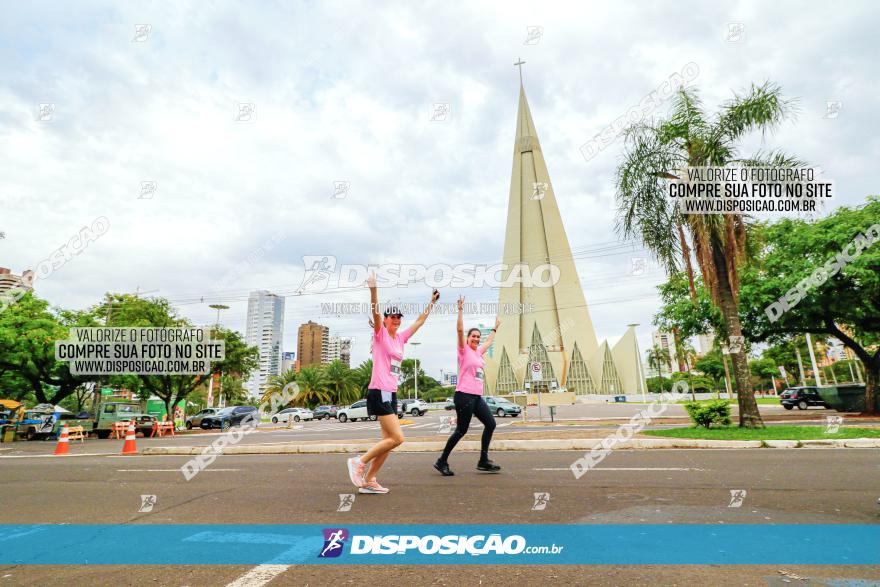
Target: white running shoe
(356,470)
(372,487)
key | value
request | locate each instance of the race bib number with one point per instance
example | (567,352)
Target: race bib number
(478,375)
(395,367)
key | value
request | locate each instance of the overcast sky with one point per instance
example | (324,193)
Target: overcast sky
(345,91)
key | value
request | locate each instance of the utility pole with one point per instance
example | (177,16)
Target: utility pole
(416,374)
(797,352)
(813,359)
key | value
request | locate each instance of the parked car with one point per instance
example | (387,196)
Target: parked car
(295,414)
(196,419)
(802,397)
(502,407)
(325,412)
(354,412)
(415,407)
(228,417)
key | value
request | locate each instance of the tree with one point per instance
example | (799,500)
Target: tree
(28,331)
(783,355)
(407,376)
(341,383)
(657,358)
(655,153)
(710,364)
(763,370)
(312,388)
(134,311)
(232,389)
(820,277)
(658,384)
(362,376)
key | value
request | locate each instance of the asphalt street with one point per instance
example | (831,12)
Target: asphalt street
(657,486)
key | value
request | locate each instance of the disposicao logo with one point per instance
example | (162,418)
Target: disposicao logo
(334,540)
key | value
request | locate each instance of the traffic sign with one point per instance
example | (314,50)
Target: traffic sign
(536,371)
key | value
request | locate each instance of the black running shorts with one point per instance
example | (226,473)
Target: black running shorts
(376,407)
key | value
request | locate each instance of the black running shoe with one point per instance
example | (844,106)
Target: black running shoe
(444,469)
(488,465)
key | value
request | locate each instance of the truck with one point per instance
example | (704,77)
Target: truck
(46,421)
(110,412)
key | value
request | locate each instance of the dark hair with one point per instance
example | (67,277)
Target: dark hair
(471,330)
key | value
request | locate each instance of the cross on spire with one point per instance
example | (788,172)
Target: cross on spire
(519,63)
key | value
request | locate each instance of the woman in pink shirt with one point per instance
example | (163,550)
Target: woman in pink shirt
(388,344)
(468,398)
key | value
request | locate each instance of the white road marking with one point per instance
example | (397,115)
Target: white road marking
(259,575)
(626,469)
(94,454)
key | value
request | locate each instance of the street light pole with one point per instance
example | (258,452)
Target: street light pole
(218,307)
(210,398)
(416,373)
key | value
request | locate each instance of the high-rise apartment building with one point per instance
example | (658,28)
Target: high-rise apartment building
(264,330)
(313,341)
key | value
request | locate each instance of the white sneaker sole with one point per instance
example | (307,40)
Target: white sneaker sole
(368,490)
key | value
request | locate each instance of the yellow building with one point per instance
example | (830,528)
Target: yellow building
(558,333)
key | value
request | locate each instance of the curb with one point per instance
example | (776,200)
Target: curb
(522,445)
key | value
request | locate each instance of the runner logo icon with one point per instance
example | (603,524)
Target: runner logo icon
(334,540)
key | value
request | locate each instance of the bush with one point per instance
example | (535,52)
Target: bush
(707,413)
(659,384)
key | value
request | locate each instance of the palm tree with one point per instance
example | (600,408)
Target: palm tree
(312,388)
(277,383)
(657,357)
(362,376)
(340,382)
(687,355)
(655,153)
(232,389)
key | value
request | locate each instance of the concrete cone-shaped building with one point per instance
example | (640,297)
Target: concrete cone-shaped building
(558,332)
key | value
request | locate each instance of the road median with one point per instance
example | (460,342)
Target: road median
(516,445)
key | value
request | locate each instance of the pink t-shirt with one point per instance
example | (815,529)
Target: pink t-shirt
(387,355)
(470,370)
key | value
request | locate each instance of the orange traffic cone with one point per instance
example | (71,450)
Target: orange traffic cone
(63,446)
(130,446)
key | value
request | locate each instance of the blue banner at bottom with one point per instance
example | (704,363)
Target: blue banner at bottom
(420,544)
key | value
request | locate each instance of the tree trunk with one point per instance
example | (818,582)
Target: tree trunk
(749,416)
(872,377)
(679,351)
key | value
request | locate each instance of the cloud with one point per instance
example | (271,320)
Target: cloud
(345,92)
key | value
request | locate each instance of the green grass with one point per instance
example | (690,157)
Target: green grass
(768,433)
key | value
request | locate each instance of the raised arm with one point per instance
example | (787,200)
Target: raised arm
(490,338)
(460,325)
(374,302)
(424,315)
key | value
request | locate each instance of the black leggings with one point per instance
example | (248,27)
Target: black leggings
(466,406)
